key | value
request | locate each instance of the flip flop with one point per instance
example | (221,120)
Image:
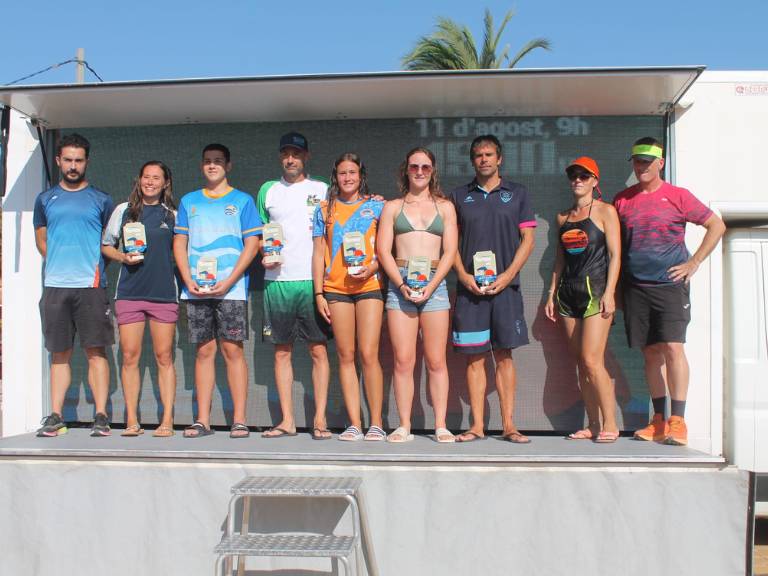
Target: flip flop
(474,437)
(402,433)
(607,437)
(239,427)
(444,432)
(320,434)
(133,430)
(351,434)
(163,432)
(516,438)
(197,430)
(585,434)
(281,433)
(375,434)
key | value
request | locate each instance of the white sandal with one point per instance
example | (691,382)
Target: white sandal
(375,434)
(351,434)
(400,435)
(444,432)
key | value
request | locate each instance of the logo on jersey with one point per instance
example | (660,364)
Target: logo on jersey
(468,199)
(366,213)
(230,210)
(506,196)
(574,241)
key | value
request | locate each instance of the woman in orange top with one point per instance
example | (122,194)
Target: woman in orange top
(348,291)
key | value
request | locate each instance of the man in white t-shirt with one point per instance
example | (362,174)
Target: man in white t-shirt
(289,304)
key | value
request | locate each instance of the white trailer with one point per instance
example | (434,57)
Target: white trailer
(715,125)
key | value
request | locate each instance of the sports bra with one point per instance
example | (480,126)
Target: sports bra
(403,225)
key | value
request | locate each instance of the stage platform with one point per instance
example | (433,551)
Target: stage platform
(548,449)
(76,504)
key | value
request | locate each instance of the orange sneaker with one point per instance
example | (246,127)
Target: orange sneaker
(657,430)
(677,432)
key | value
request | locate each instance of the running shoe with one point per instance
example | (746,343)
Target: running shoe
(52,425)
(101,425)
(677,433)
(656,430)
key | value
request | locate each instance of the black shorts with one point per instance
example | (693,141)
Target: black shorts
(354,298)
(85,311)
(579,297)
(654,314)
(212,318)
(484,322)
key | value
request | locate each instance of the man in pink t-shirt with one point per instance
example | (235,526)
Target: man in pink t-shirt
(656,270)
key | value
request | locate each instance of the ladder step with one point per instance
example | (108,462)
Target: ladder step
(299,545)
(296,486)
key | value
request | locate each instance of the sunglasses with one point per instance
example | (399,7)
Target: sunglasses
(424,168)
(582,176)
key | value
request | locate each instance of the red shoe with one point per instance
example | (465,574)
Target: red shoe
(677,432)
(656,431)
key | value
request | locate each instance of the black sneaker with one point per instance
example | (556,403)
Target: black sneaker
(101,425)
(52,425)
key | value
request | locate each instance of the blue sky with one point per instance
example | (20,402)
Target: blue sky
(138,39)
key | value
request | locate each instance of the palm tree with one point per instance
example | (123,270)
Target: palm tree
(452,47)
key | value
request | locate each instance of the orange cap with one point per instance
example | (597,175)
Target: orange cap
(588,164)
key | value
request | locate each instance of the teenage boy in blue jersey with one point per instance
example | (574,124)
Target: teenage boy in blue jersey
(69,220)
(493,214)
(219,221)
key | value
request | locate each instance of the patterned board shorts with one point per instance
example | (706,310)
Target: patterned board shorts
(211,319)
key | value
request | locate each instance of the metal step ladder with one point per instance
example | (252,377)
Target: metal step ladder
(297,544)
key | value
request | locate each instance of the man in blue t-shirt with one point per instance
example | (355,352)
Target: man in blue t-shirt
(218,223)
(69,220)
(493,214)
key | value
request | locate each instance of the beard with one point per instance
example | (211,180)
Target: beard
(74,177)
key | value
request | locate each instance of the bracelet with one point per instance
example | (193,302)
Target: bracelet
(401,285)
(319,294)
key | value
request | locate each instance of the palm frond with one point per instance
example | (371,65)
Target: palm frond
(529,47)
(491,39)
(431,54)
(452,47)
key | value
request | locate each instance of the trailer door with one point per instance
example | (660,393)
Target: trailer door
(746,360)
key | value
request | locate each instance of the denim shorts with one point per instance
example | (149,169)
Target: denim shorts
(438,301)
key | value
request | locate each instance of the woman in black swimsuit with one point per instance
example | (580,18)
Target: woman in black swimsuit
(582,293)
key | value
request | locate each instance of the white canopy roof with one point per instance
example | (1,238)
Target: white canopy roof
(516,92)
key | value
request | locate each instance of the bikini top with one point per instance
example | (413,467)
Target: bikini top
(403,225)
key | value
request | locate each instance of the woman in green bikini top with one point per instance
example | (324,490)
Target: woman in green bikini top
(422,223)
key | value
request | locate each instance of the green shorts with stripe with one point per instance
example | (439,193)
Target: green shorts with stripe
(579,297)
(290,313)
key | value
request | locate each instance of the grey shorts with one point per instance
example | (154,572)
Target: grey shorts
(354,298)
(217,319)
(85,311)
